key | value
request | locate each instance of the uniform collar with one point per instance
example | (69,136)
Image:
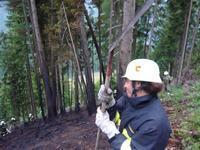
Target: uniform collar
(140,101)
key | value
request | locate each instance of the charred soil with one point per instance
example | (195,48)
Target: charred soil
(74,131)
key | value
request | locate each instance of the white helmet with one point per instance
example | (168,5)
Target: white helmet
(166,73)
(143,70)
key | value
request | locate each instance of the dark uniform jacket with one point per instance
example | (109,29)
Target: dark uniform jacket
(145,121)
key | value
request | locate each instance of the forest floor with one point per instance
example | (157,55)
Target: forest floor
(69,132)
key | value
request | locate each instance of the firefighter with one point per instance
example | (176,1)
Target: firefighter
(13,124)
(167,80)
(4,128)
(137,119)
(30,117)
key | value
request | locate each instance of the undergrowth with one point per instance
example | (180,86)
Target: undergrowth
(186,103)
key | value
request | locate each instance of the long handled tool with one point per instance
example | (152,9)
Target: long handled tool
(138,15)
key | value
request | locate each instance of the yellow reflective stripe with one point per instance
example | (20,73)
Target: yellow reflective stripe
(117,119)
(117,122)
(125,133)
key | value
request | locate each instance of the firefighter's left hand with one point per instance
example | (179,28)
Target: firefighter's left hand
(103,122)
(106,96)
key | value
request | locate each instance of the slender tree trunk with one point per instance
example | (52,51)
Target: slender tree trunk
(58,90)
(30,87)
(53,60)
(91,105)
(42,64)
(15,107)
(95,42)
(146,37)
(36,67)
(193,41)
(76,92)
(71,87)
(40,95)
(99,29)
(152,28)
(183,46)
(68,84)
(63,91)
(111,22)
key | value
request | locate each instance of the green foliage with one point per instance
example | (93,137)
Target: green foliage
(195,61)
(192,122)
(168,39)
(175,95)
(5,103)
(13,62)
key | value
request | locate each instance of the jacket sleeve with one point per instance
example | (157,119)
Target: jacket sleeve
(117,141)
(150,136)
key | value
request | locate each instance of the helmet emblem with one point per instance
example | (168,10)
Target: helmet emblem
(137,68)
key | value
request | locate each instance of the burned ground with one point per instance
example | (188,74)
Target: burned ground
(69,132)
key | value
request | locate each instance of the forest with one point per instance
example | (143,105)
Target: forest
(54,57)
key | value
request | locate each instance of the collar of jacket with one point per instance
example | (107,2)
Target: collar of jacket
(138,102)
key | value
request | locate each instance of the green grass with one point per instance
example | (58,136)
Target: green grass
(187,106)
(187,111)
(193,120)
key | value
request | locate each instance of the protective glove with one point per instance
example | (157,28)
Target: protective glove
(106,96)
(103,122)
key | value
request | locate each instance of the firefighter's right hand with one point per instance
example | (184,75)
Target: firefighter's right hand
(105,124)
(106,96)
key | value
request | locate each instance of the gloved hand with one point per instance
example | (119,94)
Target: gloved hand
(103,122)
(106,96)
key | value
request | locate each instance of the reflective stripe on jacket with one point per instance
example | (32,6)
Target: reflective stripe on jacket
(117,121)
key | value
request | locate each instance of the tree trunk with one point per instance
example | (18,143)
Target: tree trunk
(183,46)
(71,87)
(99,36)
(30,87)
(42,63)
(68,84)
(193,41)
(76,92)
(126,43)
(63,91)
(15,106)
(146,36)
(59,93)
(53,58)
(91,105)
(95,42)
(152,27)
(36,68)
(40,95)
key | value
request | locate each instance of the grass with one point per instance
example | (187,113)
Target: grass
(186,102)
